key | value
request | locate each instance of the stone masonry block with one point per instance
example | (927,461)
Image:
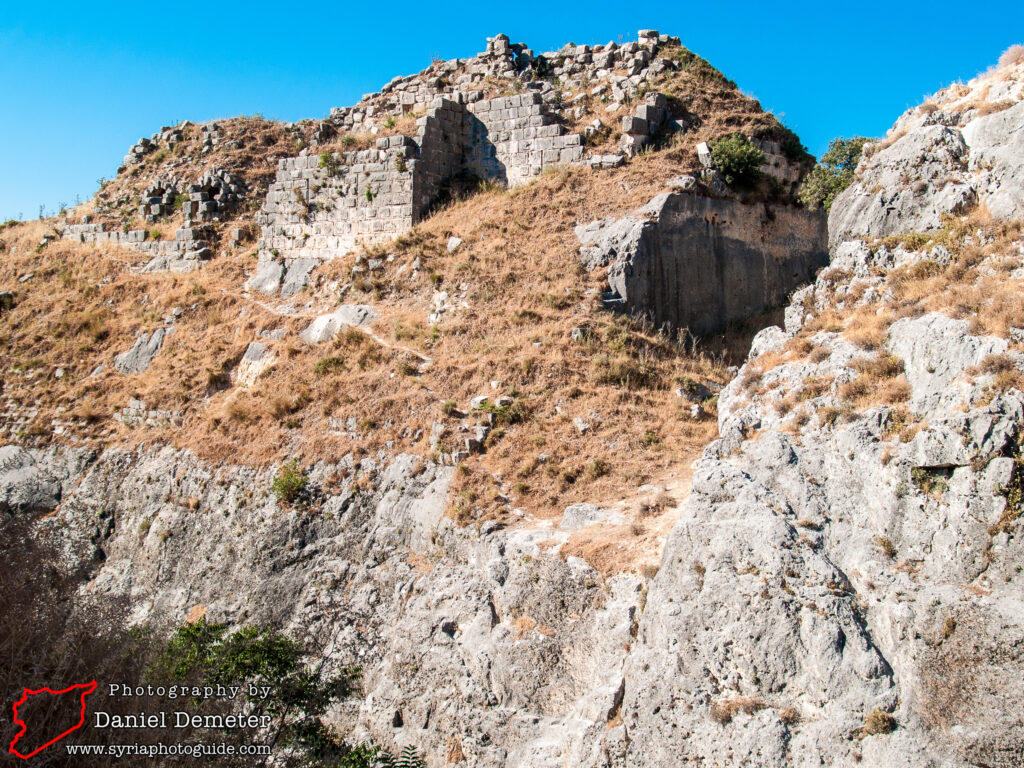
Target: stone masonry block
(653,115)
(635,125)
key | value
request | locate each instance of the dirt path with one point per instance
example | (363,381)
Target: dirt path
(425,360)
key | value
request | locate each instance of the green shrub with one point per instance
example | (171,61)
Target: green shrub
(410,758)
(510,413)
(290,482)
(328,364)
(738,160)
(833,174)
(931,481)
(330,162)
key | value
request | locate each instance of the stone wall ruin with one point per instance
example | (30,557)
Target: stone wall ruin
(321,207)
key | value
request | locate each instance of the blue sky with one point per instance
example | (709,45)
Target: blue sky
(82,82)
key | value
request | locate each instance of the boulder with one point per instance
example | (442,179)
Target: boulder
(325,327)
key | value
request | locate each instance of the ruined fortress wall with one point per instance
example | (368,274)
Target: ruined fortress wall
(188,249)
(514,138)
(320,210)
(442,149)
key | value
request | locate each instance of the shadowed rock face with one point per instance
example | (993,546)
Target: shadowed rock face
(700,263)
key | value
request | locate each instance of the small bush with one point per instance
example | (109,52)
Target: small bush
(878,721)
(511,413)
(290,482)
(724,710)
(931,481)
(885,545)
(330,163)
(738,160)
(328,364)
(1011,56)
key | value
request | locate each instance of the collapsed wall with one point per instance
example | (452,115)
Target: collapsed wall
(696,262)
(321,207)
(187,251)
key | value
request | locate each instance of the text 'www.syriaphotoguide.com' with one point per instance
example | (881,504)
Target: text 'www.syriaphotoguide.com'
(162,750)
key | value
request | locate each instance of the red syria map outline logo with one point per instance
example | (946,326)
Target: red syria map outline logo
(87,688)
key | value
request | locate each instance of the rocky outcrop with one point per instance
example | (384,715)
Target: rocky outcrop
(138,358)
(456,629)
(964,146)
(697,262)
(843,585)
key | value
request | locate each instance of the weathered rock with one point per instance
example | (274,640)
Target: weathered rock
(257,359)
(297,276)
(471,646)
(325,327)
(997,156)
(24,486)
(936,157)
(938,162)
(267,278)
(936,350)
(138,358)
(699,263)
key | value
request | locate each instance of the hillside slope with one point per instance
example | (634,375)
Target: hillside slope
(492,511)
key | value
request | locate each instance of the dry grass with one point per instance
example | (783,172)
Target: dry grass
(1012,56)
(724,710)
(623,371)
(522,625)
(868,328)
(880,381)
(789,716)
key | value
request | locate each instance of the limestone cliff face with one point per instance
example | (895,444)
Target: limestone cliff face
(697,262)
(480,637)
(961,148)
(853,542)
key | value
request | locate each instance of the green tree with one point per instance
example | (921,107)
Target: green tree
(833,174)
(738,160)
(206,654)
